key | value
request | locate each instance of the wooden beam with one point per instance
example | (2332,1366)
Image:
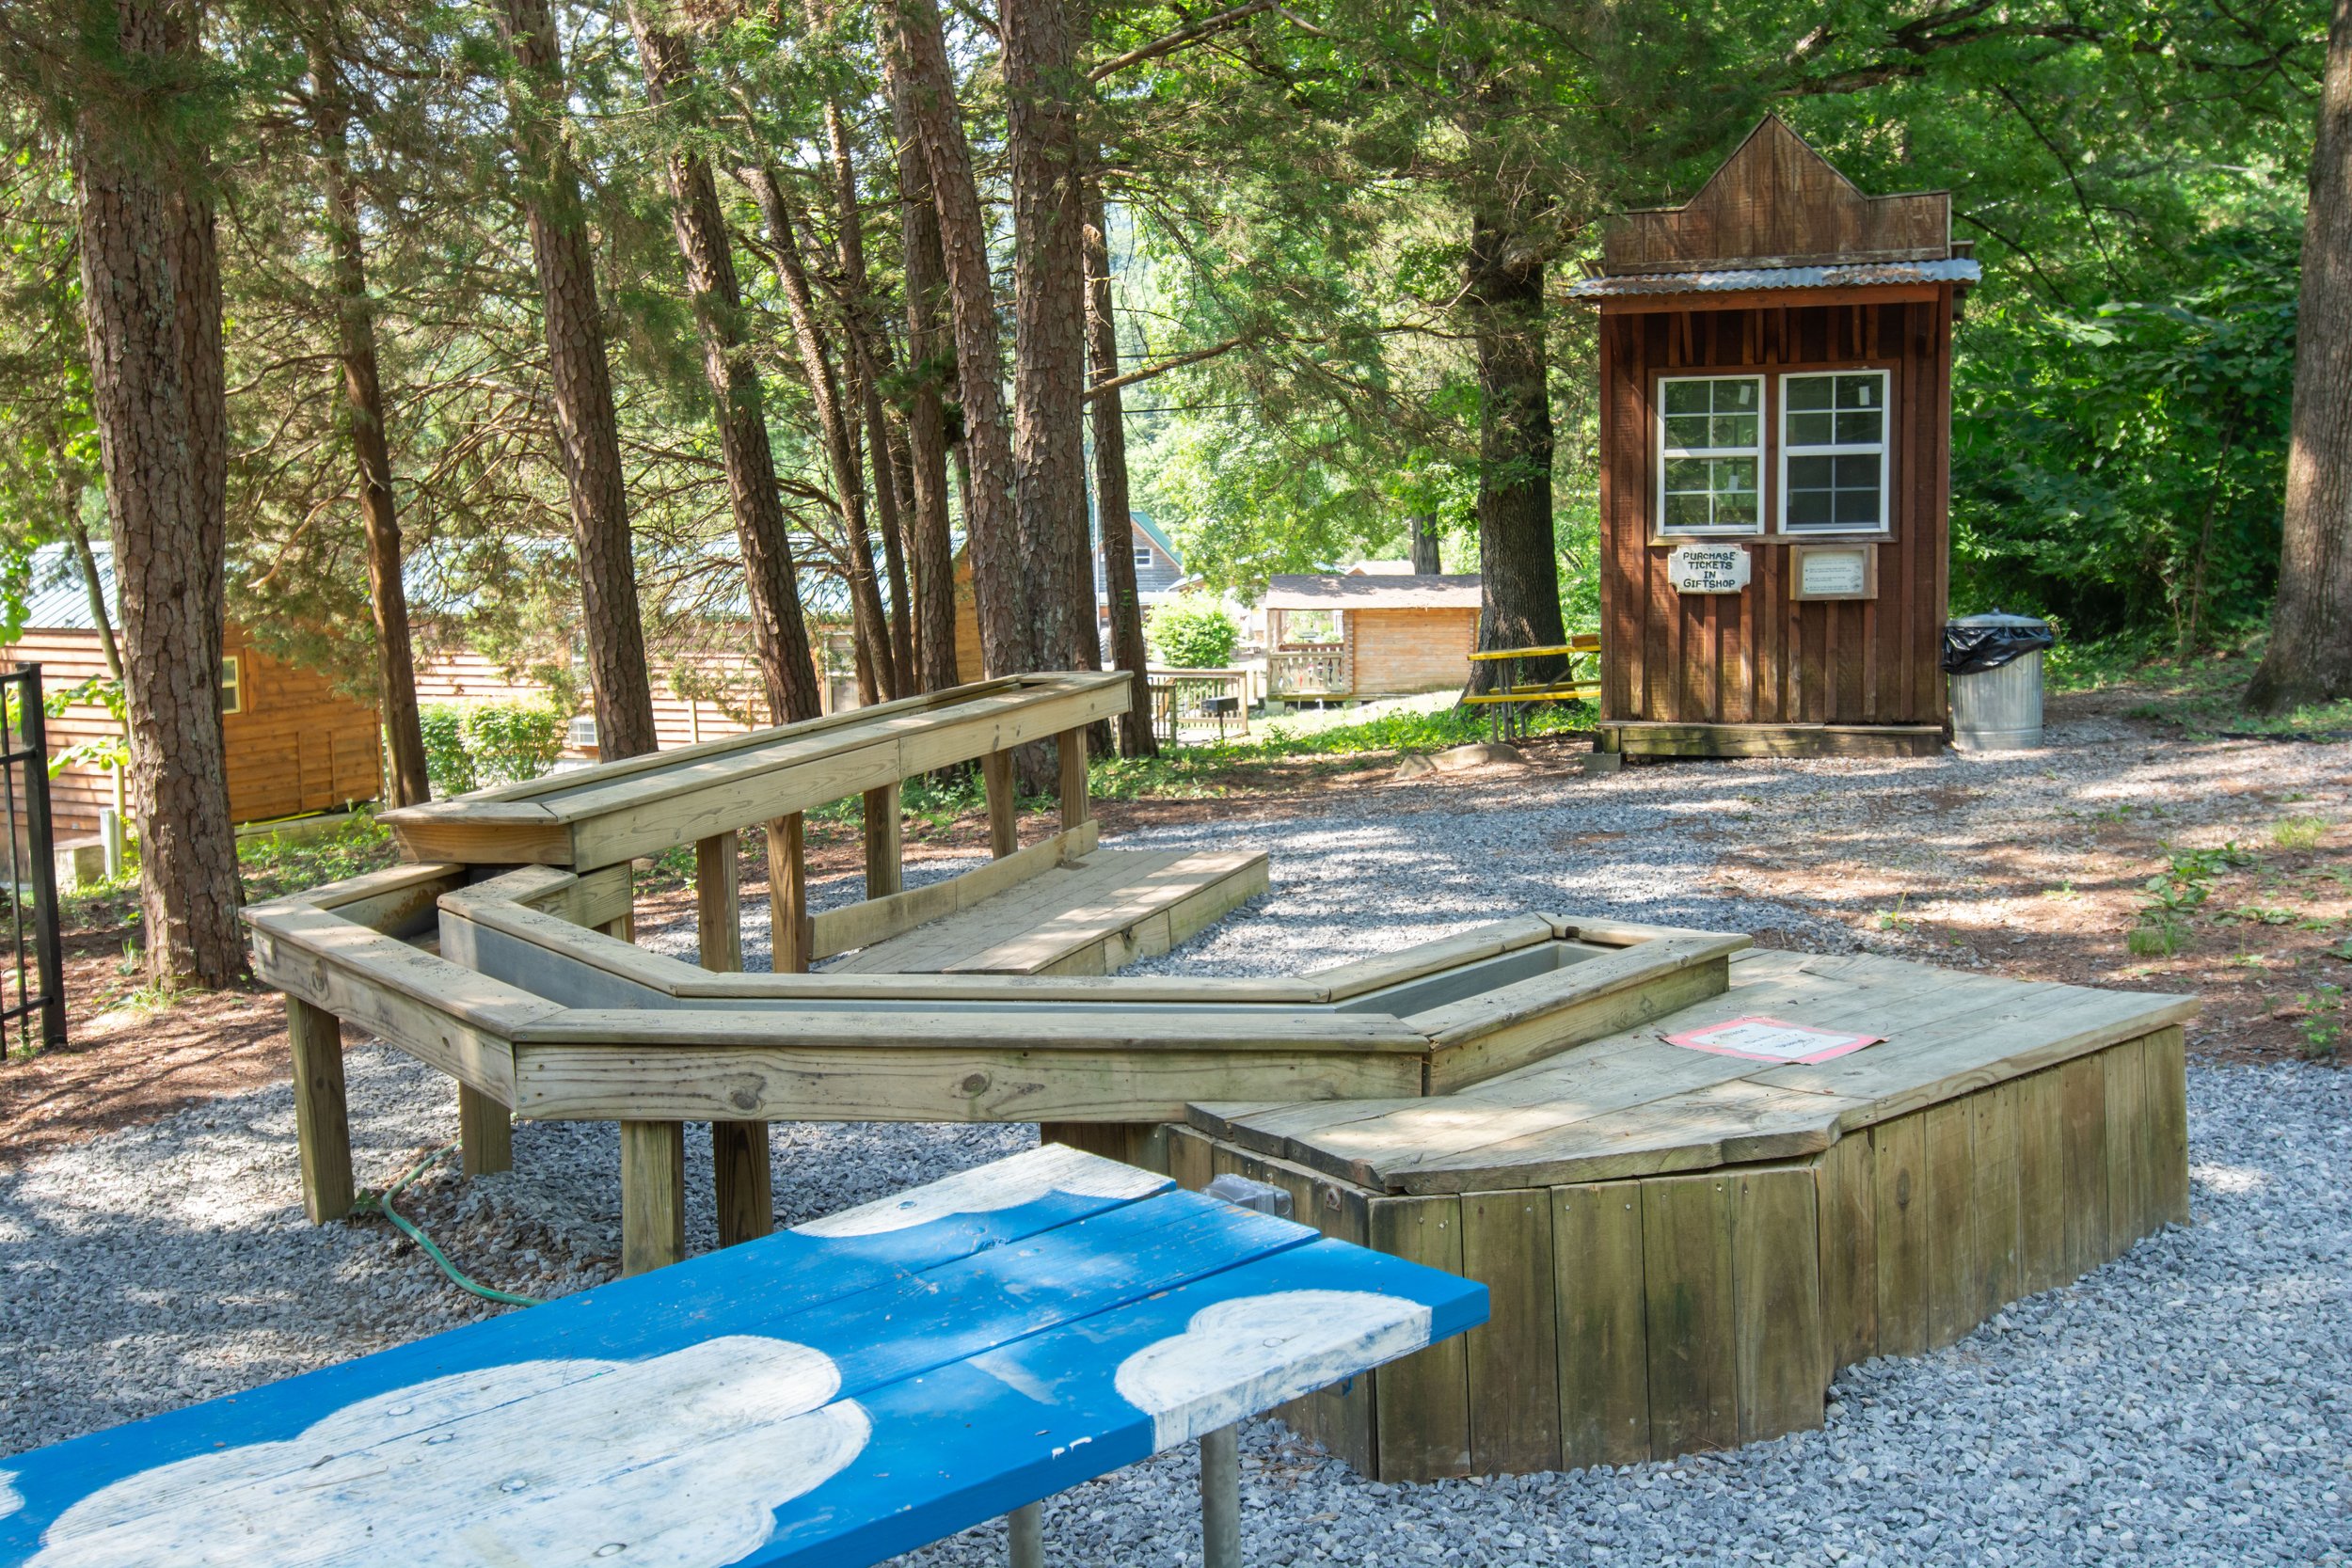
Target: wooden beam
(485,1132)
(1004,803)
(1070,749)
(653,1195)
(718,910)
(740,1180)
(885,873)
(321,1119)
(787,895)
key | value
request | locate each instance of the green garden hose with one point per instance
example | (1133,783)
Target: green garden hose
(382,1203)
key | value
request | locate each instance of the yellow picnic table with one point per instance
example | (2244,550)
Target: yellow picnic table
(1510,697)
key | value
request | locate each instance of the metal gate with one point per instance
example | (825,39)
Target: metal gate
(32,988)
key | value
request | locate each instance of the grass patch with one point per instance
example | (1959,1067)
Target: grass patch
(2202,696)
(270,866)
(2298,832)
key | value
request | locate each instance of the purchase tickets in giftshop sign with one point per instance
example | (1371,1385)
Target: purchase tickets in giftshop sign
(1772,1039)
(1708,568)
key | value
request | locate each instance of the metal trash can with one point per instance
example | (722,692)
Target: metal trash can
(1994,662)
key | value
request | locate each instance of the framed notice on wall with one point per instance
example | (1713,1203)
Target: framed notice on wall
(1834,571)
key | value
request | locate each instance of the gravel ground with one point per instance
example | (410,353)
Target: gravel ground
(2186,1405)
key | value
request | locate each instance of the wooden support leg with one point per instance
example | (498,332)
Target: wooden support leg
(1071,748)
(1003,804)
(738,1149)
(322,1121)
(883,846)
(1024,1536)
(788,896)
(1221,1498)
(653,1194)
(485,1132)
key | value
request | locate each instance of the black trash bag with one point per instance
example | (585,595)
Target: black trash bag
(1972,649)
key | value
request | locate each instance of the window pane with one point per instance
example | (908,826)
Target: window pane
(1809,473)
(1686,432)
(1734,430)
(1807,391)
(1687,397)
(1735,509)
(1858,508)
(1855,472)
(1859,429)
(1857,392)
(1686,511)
(1808,508)
(1736,395)
(1735,473)
(1686,475)
(1809,430)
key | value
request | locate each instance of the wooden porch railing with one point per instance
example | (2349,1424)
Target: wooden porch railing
(1317,670)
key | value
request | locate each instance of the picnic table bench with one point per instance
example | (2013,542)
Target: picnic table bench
(832,1395)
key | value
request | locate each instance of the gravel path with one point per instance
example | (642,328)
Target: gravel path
(2190,1404)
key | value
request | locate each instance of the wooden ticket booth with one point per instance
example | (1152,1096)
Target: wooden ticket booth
(1775,436)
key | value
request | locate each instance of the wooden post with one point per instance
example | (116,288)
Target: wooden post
(485,1132)
(881,841)
(788,896)
(625,925)
(1071,748)
(1003,804)
(653,1194)
(322,1121)
(738,1149)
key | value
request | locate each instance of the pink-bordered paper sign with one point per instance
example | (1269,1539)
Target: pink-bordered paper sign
(1772,1039)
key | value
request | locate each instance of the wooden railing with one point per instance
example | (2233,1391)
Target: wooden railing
(1198,703)
(1316,670)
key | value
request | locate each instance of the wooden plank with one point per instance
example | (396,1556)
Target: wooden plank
(322,1116)
(1513,1359)
(1953,1296)
(1004,803)
(2083,1132)
(2168,1094)
(1900,1213)
(485,1132)
(653,1194)
(1070,754)
(877,920)
(1343,982)
(2128,1201)
(1779,1356)
(2040,1182)
(1598,1253)
(787,895)
(718,903)
(1812,738)
(1993,1165)
(885,843)
(741,1181)
(1846,1180)
(1509,1027)
(1688,1289)
(1423,1402)
(1188,1154)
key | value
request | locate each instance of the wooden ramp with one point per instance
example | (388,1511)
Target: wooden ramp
(1091,913)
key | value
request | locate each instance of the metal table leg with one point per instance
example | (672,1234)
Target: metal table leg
(1025,1533)
(1221,1498)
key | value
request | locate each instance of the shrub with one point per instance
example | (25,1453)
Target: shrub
(1193,632)
(478,744)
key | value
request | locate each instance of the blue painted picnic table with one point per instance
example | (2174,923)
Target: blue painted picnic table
(830,1395)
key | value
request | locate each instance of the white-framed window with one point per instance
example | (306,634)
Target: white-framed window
(1143,558)
(231,685)
(1711,454)
(1833,452)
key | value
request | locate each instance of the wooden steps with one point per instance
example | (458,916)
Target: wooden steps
(1093,914)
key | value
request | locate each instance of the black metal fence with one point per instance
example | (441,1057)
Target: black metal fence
(32,985)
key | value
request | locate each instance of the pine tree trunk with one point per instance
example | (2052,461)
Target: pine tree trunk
(916,57)
(930,357)
(869,628)
(148,261)
(1136,736)
(2310,657)
(406,779)
(1520,579)
(587,427)
(779,629)
(1041,84)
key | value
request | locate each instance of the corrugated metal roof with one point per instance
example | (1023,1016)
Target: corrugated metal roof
(1959,269)
(57,599)
(1340,590)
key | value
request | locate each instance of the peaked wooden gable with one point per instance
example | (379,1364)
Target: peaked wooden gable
(1778,203)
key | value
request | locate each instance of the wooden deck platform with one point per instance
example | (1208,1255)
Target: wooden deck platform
(1093,914)
(1684,1247)
(1654,738)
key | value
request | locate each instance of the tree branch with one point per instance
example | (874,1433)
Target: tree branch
(1168,43)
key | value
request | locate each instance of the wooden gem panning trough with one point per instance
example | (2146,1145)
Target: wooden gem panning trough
(1681,1245)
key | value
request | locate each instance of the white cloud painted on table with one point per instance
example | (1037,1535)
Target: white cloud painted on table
(677,1462)
(991,1189)
(11,1499)
(1251,1353)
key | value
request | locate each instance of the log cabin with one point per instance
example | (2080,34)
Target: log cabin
(296,743)
(1776,438)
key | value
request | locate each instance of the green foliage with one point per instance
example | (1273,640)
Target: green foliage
(477,745)
(113,751)
(274,865)
(1192,632)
